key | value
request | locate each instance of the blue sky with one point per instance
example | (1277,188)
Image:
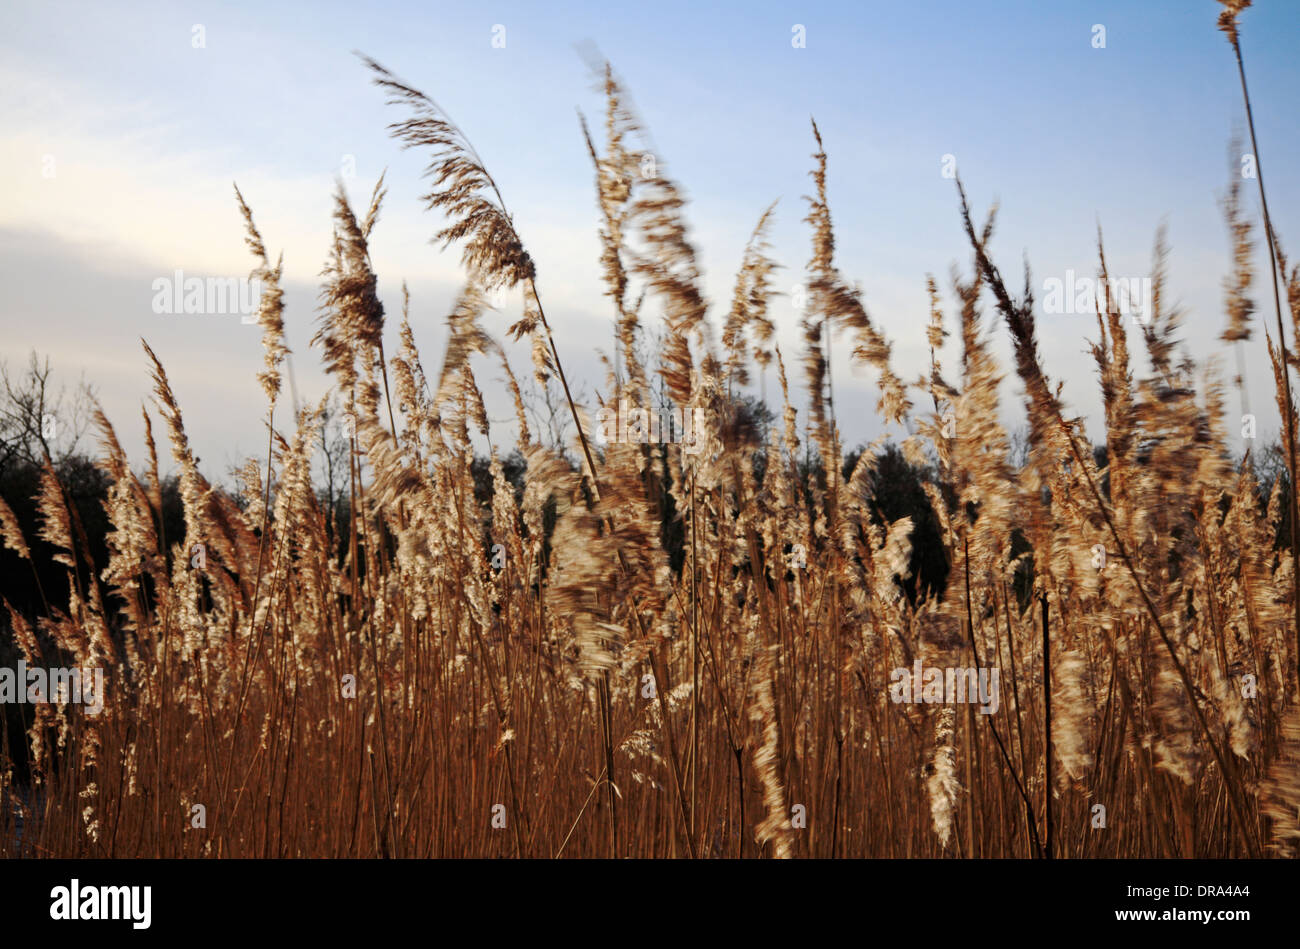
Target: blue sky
(147,132)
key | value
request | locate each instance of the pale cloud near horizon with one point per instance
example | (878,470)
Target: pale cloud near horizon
(133,194)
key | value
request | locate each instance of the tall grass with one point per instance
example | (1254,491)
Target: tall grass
(540,674)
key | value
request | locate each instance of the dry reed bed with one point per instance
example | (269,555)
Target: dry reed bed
(587,699)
